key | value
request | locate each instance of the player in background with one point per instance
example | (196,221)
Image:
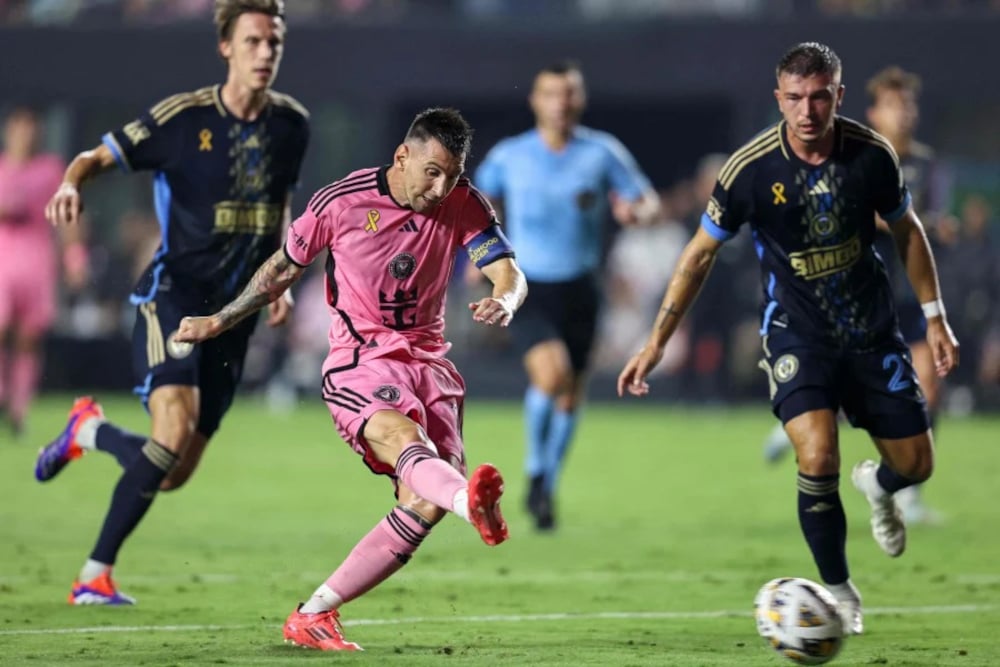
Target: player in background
(893,113)
(29,261)
(810,187)
(556,185)
(392,234)
(225,160)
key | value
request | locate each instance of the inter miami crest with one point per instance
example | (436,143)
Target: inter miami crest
(386,393)
(402,266)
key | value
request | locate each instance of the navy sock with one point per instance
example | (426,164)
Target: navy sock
(121,444)
(131,499)
(890,480)
(824,525)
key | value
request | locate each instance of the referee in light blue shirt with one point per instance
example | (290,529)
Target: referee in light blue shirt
(556,185)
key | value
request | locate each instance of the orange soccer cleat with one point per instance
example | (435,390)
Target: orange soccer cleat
(321,631)
(53,457)
(99,590)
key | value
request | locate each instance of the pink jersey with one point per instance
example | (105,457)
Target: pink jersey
(389,267)
(24,191)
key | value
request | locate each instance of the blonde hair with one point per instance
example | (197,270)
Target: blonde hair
(227,11)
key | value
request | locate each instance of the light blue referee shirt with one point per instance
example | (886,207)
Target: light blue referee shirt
(555,202)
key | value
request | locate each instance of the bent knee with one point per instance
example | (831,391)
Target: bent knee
(818,460)
(920,470)
(427,510)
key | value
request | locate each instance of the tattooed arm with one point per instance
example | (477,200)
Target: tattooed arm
(693,267)
(273,277)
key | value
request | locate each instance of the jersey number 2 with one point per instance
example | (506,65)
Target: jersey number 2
(896,382)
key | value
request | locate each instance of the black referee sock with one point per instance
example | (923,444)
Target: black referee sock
(131,499)
(121,444)
(824,525)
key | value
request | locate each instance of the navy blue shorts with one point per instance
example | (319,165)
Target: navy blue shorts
(565,311)
(877,388)
(215,366)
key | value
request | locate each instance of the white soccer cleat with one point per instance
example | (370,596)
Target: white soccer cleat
(850,616)
(848,606)
(888,528)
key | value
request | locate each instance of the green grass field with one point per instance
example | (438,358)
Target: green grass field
(669,522)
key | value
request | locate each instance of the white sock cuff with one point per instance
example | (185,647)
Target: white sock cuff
(86,435)
(460,504)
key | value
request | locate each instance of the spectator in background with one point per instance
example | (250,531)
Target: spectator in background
(640,262)
(29,260)
(974,266)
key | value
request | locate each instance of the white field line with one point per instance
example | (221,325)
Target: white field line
(512,577)
(511,618)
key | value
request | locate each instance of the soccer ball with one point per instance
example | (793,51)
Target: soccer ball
(799,619)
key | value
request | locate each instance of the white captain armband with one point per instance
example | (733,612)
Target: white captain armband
(488,246)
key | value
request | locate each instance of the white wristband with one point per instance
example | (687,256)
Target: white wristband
(933,308)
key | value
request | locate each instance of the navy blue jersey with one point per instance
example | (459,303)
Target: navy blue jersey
(220,187)
(813,227)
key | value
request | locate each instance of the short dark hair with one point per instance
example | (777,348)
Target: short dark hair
(562,67)
(447,126)
(808,59)
(227,11)
(893,78)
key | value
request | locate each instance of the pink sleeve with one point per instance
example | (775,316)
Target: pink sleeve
(477,215)
(308,236)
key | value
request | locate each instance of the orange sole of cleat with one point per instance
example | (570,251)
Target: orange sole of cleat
(484,505)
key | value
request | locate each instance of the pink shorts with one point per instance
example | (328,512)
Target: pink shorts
(431,393)
(27,289)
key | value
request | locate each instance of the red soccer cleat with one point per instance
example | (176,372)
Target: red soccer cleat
(321,631)
(485,489)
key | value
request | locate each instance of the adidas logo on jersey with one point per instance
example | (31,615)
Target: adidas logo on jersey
(410,226)
(820,188)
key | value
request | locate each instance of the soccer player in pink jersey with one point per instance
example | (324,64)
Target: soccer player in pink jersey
(29,261)
(392,234)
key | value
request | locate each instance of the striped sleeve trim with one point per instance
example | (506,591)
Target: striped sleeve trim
(359,183)
(173,105)
(756,148)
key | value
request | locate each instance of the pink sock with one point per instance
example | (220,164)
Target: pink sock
(24,370)
(431,478)
(379,554)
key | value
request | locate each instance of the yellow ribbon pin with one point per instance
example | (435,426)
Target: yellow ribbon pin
(205,137)
(779,193)
(373,218)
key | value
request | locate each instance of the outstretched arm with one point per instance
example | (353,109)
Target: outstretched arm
(693,267)
(270,281)
(915,252)
(509,290)
(65,205)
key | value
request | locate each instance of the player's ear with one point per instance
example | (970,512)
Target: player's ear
(401,155)
(840,95)
(226,49)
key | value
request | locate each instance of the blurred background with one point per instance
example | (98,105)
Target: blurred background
(678,81)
